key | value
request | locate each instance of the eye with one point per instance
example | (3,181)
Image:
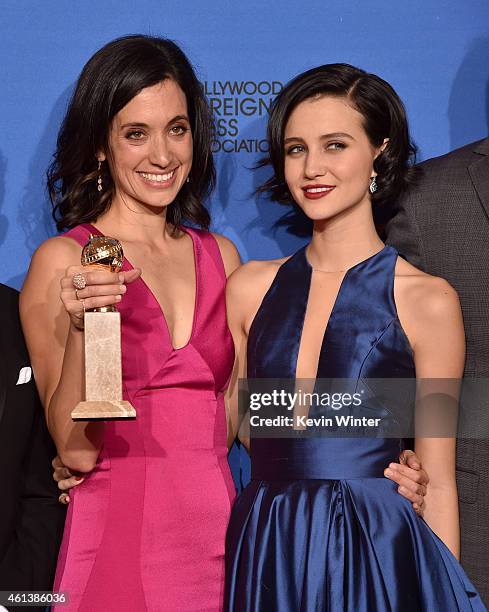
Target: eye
(179,130)
(135,135)
(336,146)
(295,149)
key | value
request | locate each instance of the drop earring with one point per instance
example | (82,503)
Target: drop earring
(99,177)
(373,185)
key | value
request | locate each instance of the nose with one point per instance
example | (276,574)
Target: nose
(160,153)
(315,165)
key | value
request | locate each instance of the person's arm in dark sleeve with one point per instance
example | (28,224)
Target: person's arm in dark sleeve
(30,562)
(31,518)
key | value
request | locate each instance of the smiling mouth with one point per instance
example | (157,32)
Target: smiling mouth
(313,192)
(157,178)
(322,189)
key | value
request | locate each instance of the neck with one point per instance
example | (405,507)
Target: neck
(339,243)
(133,222)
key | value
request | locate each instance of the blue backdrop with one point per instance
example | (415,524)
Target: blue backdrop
(434,52)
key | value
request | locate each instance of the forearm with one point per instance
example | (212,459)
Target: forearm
(78,443)
(441,514)
(52,312)
(437,456)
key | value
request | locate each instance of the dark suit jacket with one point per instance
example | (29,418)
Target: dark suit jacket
(442,227)
(31,518)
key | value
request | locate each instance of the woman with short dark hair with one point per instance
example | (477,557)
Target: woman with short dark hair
(319,527)
(382,111)
(146,529)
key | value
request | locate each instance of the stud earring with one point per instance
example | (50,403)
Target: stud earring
(99,177)
(373,184)
(188,179)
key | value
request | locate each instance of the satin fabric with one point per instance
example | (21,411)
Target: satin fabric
(146,529)
(319,528)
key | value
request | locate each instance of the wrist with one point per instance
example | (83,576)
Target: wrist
(75,329)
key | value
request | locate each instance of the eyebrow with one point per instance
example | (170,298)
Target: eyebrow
(145,125)
(322,137)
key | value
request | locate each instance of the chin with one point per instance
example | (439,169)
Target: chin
(325,211)
(319,213)
(158,198)
(153,203)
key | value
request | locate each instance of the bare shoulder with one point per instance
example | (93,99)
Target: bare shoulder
(428,308)
(429,295)
(247,287)
(429,311)
(255,276)
(48,266)
(59,250)
(229,253)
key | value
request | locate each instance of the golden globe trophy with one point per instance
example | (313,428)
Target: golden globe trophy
(103,369)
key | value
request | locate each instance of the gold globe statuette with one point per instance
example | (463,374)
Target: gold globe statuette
(103,366)
(103,253)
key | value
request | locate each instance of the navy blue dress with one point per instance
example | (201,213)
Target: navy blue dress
(319,527)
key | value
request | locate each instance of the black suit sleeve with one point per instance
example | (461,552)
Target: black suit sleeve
(403,232)
(30,559)
(31,518)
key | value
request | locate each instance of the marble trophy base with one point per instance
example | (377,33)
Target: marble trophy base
(103,411)
(103,371)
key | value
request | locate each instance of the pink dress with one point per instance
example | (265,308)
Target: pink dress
(146,529)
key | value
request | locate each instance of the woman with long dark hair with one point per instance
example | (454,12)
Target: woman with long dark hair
(146,529)
(319,527)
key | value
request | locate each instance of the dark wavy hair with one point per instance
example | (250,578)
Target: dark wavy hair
(384,116)
(110,79)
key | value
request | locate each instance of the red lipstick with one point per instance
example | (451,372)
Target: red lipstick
(317,191)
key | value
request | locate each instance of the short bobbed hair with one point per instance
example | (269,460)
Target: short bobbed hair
(111,79)
(384,116)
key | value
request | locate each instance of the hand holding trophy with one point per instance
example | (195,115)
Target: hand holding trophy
(103,369)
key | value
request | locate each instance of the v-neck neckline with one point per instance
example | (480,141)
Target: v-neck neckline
(128,266)
(334,308)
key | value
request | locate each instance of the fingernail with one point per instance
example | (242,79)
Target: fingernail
(122,288)
(401,490)
(393,466)
(388,472)
(118,298)
(79,478)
